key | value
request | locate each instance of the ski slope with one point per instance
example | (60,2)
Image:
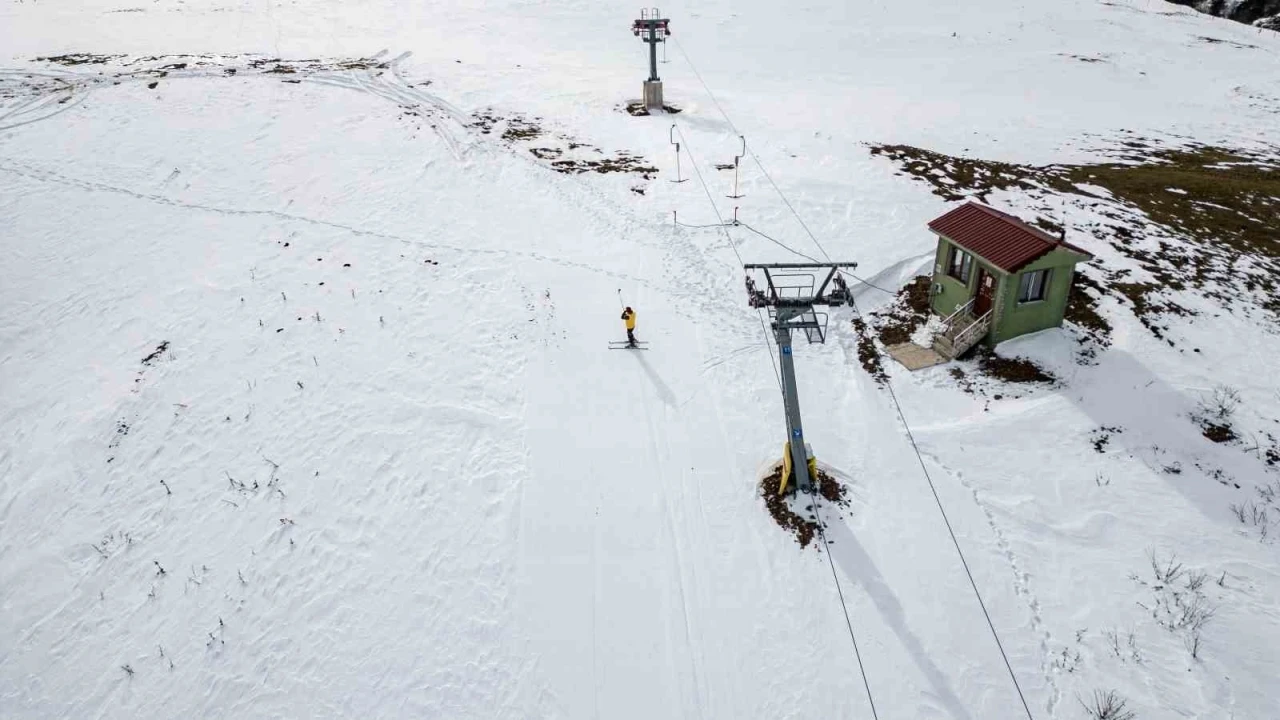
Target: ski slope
(308,408)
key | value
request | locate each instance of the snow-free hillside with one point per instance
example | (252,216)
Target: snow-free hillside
(307,409)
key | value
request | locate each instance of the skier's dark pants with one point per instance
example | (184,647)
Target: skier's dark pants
(631,337)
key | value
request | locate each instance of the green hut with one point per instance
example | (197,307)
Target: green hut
(996,277)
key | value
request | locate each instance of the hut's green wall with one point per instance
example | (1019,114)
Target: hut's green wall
(1010,318)
(1017,318)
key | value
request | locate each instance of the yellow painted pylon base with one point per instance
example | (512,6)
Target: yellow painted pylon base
(787,468)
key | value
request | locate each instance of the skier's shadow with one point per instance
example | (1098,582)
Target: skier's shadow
(664,392)
(858,566)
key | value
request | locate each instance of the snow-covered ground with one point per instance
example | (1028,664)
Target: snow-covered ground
(307,409)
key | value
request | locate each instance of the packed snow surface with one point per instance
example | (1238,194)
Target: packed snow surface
(307,408)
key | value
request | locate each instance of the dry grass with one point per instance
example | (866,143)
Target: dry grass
(1222,203)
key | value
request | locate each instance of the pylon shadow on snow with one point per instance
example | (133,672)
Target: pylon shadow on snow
(858,566)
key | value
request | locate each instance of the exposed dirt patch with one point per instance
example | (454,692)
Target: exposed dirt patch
(1218,433)
(288,67)
(485,122)
(908,312)
(155,354)
(621,163)
(122,429)
(868,355)
(637,109)
(1101,437)
(1082,312)
(1011,369)
(79,59)
(520,129)
(962,380)
(989,376)
(562,153)
(1219,41)
(1085,58)
(802,527)
(1192,216)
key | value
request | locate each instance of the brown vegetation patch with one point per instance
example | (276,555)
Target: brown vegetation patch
(868,355)
(1222,203)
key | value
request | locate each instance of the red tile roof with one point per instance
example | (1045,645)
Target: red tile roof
(1001,239)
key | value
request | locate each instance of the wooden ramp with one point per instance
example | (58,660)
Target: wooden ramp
(914,357)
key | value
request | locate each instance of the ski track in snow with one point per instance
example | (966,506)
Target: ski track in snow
(43,107)
(460,540)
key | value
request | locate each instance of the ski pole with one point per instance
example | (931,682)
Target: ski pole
(620,303)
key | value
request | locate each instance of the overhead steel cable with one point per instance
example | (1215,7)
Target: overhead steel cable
(901,415)
(777,374)
(822,532)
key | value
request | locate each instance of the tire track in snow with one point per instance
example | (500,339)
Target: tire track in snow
(1021,584)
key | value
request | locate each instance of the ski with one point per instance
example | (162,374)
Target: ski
(624,345)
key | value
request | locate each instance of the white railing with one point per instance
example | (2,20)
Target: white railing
(970,335)
(960,310)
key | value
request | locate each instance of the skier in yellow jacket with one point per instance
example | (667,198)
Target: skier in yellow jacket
(629,317)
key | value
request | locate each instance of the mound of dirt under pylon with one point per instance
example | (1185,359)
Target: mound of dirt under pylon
(782,506)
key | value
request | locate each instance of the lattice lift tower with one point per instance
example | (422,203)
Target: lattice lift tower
(791,298)
(653,29)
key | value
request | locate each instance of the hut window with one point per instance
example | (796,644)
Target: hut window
(1032,286)
(961,265)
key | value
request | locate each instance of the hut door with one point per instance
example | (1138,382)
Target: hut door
(986,289)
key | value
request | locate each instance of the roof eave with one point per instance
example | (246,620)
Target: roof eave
(973,252)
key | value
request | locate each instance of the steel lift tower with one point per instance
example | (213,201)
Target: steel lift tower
(791,297)
(653,29)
